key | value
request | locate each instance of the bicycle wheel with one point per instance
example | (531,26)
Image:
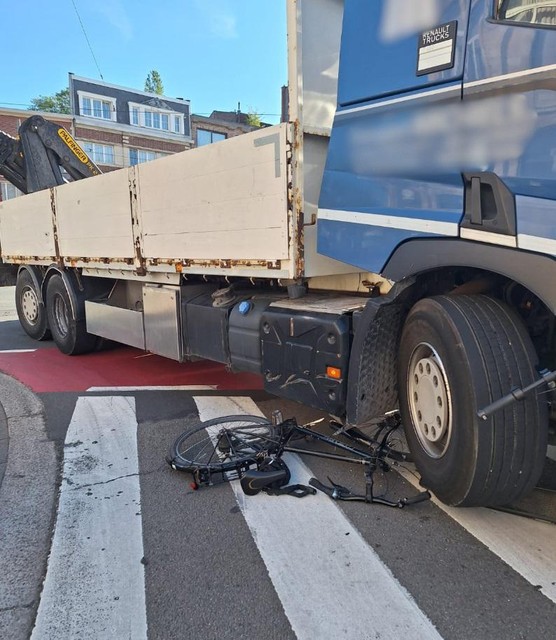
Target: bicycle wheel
(223,448)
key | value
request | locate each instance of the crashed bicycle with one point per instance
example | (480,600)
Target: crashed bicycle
(250,448)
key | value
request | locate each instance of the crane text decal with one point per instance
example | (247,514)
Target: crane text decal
(70,142)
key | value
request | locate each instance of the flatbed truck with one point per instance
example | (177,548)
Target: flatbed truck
(392,244)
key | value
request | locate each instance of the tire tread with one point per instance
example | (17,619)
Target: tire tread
(497,352)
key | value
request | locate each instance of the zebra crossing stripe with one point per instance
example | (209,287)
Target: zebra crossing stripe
(303,545)
(526,545)
(95,578)
(95,581)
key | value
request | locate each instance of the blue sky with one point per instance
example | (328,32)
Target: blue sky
(214,53)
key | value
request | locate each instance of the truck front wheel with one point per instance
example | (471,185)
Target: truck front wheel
(69,332)
(30,307)
(457,354)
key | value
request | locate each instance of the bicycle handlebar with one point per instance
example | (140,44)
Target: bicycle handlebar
(337,492)
(499,404)
(515,395)
(420,497)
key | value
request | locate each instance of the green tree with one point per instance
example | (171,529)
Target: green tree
(153,83)
(253,119)
(58,103)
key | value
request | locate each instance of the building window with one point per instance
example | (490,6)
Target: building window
(528,11)
(97,106)
(208,137)
(145,116)
(8,191)
(156,120)
(136,156)
(99,153)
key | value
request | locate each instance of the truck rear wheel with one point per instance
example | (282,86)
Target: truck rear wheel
(457,354)
(69,333)
(30,307)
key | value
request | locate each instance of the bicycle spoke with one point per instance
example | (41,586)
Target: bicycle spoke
(222,446)
(198,452)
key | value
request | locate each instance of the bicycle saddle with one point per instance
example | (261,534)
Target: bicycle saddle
(254,481)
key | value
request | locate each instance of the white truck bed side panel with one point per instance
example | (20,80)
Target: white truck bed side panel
(26,226)
(94,217)
(224,201)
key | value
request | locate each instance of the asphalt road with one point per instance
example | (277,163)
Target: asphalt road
(126,548)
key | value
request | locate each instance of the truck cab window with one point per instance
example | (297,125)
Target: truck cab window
(528,11)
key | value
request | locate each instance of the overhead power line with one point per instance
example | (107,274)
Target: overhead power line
(87,39)
(15,104)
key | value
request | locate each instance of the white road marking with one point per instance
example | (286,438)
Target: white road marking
(17,350)
(95,582)
(184,387)
(95,578)
(551,452)
(526,545)
(303,545)
(7,304)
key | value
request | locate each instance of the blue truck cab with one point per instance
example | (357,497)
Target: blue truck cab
(466,121)
(441,177)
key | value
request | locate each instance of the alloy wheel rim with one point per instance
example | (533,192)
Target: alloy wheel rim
(30,305)
(430,400)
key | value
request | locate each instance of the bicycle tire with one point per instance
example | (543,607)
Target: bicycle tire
(222,446)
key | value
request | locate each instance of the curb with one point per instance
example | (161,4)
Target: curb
(28,494)
(4,442)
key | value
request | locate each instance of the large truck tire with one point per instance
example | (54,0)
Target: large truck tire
(69,333)
(457,354)
(30,307)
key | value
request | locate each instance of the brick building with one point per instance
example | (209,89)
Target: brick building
(218,126)
(119,127)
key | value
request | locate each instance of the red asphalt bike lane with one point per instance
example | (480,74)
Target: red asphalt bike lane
(48,370)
